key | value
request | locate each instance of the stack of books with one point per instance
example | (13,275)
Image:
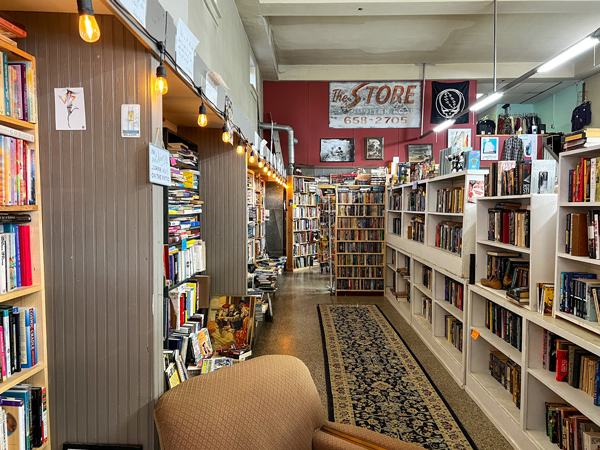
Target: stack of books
(23,417)
(17,168)
(505,324)
(508,373)
(454,293)
(18,98)
(578,294)
(584,181)
(448,236)
(509,224)
(16,265)
(568,428)
(527,177)
(450,200)
(453,331)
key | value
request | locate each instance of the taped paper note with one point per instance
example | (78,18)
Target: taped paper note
(137,8)
(185,48)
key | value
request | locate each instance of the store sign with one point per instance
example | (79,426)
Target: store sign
(160,166)
(384,104)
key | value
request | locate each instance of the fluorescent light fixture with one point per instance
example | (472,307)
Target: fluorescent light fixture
(442,126)
(569,54)
(486,101)
(479,95)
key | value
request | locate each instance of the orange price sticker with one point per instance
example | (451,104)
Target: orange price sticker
(475,334)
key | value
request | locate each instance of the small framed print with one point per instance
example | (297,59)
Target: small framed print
(374,148)
(419,152)
(337,150)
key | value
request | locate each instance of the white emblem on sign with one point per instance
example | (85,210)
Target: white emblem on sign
(449,103)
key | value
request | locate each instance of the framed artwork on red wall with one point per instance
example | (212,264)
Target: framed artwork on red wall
(337,150)
(374,148)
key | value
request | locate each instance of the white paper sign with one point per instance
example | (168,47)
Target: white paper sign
(160,167)
(211,90)
(137,8)
(69,108)
(185,48)
(130,121)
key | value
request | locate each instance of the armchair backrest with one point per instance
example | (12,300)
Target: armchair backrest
(269,402)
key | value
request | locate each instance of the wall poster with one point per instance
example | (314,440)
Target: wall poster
(383,104)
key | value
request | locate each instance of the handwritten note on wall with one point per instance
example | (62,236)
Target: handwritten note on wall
(160,167)
(185,47)
(137,8)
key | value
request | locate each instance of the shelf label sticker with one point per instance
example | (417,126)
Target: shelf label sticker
(475,334)
(414,185)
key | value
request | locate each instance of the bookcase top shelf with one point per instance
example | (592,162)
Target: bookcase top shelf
(16,123)
(19,208)
(579,153)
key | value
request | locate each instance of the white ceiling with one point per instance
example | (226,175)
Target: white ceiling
(343,40)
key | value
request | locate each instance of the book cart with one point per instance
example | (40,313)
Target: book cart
(436,240)
(360,239)
(33,295)
(500,327)
(302,223)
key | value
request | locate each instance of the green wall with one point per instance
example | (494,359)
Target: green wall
(556,109)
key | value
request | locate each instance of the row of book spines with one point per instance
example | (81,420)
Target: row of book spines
(448,236)
(397,225)
(569,429)
(360,222)
(16,266)
(18,97)
(17,172)
(427,308)
(395,202)
(509,226)
(360,272)
(360,235)
(584,181)
(357,260)
(450,200)
(508,373)
(454,292)
(505,324)
(567,297)
(573,365)
(359,197)
(360,285)
(453,332)
(582,235)
(18,339)
(508,178)
(26,408)
(427,277)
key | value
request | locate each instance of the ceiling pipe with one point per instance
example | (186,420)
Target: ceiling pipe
(495,41)
(291,141)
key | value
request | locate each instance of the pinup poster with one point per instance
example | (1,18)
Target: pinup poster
(69,108)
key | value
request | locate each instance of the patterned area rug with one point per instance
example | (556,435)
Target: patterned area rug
(375,382)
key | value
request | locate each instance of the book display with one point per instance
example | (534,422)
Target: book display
(360,239)
(302,223)
(327,227)
(255,202)
(398,280)
(23,341)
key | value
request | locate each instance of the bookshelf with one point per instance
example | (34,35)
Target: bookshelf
(398,281)
(302,223)
(31,293)
(567,262)
(360,239)
(255,203)
(326,226)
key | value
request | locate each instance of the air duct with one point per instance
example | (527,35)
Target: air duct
(291,141)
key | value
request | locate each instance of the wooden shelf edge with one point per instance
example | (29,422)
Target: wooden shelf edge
(20,292)
(21,376)
(19,208)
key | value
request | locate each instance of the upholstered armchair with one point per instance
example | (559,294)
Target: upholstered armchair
(266,403)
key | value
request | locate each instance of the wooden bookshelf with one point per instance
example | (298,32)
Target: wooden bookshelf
(327,210)
(302,223)
(255,204)
(360,239)
(34,295)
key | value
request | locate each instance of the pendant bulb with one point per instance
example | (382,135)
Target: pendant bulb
(226,134)
(202,119)
(160,85)
(88,26)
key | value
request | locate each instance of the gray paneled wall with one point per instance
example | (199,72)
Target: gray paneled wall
(224,216)
(275,229)
(97,214)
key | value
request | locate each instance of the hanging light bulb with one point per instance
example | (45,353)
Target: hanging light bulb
(241,148)
(269,172)
(251,158)
(160,85)
(202,119)
(226,133)
(261,163)
(88,27)
(266,168)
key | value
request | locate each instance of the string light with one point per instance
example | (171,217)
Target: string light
(251,158)
(88,26)
(160,85)
(226,133)
(266,168)
(202,119)
(241,148)
(261,163)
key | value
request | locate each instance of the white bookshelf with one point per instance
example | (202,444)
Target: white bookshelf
(396,282)
(564,261)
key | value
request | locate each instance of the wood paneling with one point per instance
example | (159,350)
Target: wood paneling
(224,217)
(97,233)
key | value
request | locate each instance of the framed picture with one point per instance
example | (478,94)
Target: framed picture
(337,150)
(489,148)
(374,148)
(459,137)
(75,446)
(530,145)
(419,152)
(231,320)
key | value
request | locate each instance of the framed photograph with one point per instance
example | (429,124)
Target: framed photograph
(459,137)
(530,145)
(231,320)
(374,148)
(419,152)
(337,150)
(489,148)
(75,446)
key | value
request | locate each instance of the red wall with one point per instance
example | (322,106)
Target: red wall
(304,105)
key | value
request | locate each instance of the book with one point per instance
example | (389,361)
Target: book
(172,376)
(562,359)
(15,421)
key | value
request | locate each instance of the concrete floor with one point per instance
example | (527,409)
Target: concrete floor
(296,332)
